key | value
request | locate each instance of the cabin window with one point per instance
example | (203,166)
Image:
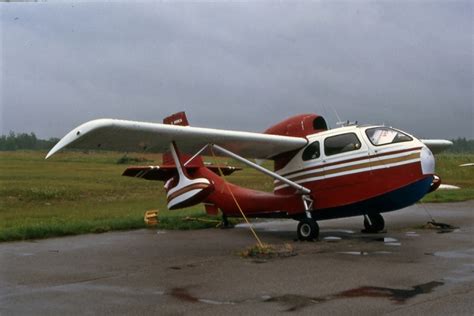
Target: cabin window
(312,152)
(383,136)
(341,143)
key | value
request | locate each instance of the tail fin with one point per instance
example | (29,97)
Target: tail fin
(180,119)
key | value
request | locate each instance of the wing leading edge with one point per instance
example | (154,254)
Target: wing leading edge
(132,136)
(437,145)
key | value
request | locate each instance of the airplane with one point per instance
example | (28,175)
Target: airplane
(319,173)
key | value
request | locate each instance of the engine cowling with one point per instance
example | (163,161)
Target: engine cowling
(297,126)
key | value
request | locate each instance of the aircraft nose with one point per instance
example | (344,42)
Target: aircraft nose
(427,161)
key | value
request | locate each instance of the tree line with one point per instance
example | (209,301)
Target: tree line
(20,141)
(462,145)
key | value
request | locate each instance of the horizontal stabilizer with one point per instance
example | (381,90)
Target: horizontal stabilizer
(163,173)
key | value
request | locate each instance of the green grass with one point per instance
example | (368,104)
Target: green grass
(447,167)
(77,193)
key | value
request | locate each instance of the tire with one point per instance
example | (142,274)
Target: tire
(376,223)
(308,229)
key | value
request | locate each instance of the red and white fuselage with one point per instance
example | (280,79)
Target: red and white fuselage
(339,177)
(348,173)
(319,173)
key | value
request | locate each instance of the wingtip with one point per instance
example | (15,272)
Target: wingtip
(53,150)
(77,133)
(49,154)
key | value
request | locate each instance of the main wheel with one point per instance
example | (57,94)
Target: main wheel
(374,223)
(308,229)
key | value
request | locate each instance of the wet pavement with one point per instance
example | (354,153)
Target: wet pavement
(412,268)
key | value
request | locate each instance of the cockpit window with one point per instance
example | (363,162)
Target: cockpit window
(341,143)
(311,152)
(383,136)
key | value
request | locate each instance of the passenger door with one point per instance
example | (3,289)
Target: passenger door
(346,160)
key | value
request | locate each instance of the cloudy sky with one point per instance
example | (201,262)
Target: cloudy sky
(238,65)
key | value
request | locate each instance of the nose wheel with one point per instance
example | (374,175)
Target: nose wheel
(373,223)
(308,229)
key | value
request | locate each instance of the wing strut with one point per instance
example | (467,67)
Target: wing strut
(307,199)
(299,188)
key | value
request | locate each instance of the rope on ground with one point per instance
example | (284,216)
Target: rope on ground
(260,244)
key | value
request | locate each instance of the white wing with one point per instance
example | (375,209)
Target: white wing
(133,136)
(437,145)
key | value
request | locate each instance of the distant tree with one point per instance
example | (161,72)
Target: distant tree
(20,141)
(462,145)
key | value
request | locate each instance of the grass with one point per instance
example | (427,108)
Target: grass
(79,192)
(447,167)
(76,193)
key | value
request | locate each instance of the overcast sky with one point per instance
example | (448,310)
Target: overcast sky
(238,65)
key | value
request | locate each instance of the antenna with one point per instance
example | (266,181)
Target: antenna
(341,122)
(326,114)
(337,115)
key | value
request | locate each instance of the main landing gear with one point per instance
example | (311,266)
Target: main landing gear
(373,223)
(308,229)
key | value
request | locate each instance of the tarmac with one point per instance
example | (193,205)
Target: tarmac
(411,269)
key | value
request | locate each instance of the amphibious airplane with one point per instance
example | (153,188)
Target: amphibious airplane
(319,173)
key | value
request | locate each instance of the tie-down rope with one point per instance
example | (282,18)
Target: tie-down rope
(235,200)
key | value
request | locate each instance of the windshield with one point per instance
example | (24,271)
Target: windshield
(383,136)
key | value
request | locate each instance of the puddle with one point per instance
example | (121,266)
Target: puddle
(183,294)
(365,253)
(396,295)
(182,267)
(456,254)
(445,231)
(212,302)
(463,274)
(399,296)
(332,238)
(293,302)
(355,253)
(389,241)
(382,252)
(345,231)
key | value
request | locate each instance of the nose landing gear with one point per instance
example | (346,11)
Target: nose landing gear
(373,223)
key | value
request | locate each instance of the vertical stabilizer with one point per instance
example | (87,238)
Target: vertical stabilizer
(181,120)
